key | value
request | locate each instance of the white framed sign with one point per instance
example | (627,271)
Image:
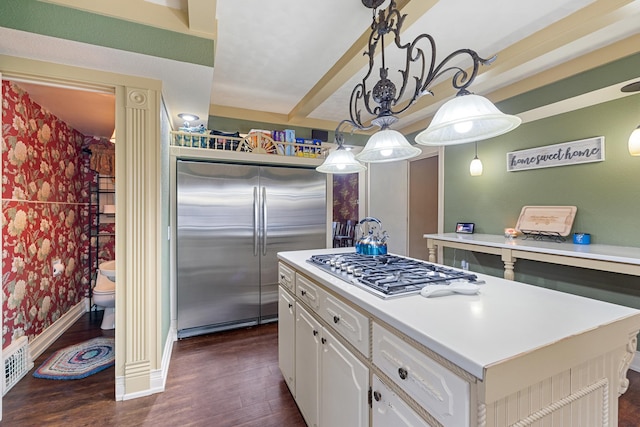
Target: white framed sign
(567,153)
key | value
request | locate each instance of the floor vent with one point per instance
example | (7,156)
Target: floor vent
(17,362)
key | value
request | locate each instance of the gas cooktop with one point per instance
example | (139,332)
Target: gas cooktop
(388,276)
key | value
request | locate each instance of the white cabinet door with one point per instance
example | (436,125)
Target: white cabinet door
(286,338)
(442,393)
(307,365)
(344,386)
(389,410)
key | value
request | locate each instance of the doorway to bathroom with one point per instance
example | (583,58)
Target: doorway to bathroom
(48,129)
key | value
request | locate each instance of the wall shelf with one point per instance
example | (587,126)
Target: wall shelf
(102,192)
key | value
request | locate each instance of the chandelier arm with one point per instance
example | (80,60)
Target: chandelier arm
(414,54)
(461,79)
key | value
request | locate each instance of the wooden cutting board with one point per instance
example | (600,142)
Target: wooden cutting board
(548,219)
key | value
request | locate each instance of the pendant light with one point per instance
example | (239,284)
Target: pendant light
(466,118)
(341,160)
(634,138)
(475,168)
(387,145)
(634,142)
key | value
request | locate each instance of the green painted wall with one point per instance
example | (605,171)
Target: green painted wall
(606,194)
(66,23)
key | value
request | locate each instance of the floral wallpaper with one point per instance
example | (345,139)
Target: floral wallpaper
(45,191)
(345,197)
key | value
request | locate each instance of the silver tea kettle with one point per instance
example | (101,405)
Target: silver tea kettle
(370,243)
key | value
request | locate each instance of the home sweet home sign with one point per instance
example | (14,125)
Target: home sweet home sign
(568,153)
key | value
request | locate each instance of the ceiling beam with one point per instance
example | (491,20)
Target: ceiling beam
(267,117)
(351,62)
(202,17)
(596,16)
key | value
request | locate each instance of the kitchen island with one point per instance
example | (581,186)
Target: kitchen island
(513,354)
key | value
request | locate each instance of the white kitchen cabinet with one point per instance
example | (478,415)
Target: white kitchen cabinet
(307,365)
(286,337)
(388,410)
(344,386)
(331,383)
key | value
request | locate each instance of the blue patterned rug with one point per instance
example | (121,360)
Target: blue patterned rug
(79,360)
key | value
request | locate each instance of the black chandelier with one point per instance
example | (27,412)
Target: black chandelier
(466,118)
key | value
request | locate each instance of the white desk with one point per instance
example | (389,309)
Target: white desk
(617,259)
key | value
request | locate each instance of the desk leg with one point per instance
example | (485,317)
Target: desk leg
(509,263)
(432,250)
(626,362)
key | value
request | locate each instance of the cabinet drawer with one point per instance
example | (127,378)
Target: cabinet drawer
(390,410)
(441,392)
(285,276)
(349,323)
(308,292)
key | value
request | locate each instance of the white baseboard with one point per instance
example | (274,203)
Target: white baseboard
(40,343)
(158,376)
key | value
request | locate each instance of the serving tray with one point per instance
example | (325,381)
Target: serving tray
(547,219)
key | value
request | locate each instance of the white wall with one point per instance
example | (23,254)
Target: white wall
(388,201)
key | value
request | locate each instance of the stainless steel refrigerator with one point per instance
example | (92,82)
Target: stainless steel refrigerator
(232,220)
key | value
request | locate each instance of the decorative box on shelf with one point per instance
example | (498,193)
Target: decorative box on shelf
(282,143)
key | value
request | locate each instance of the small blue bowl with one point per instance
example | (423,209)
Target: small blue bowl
(582,238)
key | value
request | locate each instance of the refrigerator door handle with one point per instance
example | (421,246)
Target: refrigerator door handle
(264,220)
(256,231)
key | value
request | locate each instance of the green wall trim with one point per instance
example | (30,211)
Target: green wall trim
(587,81)
(72,24)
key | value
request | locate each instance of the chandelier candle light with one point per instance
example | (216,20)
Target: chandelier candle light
(466,118)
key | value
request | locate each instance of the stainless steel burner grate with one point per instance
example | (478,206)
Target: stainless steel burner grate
(387,276)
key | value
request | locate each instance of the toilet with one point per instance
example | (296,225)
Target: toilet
(104,295)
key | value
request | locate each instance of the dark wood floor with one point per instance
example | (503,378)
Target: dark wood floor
(228,379)
(223,380)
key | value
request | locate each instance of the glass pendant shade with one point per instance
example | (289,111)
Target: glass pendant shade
(634,142)
(341,161)
(466,118)
(475,168)
(387,145)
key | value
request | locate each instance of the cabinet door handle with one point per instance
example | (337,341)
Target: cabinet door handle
(290,305)
(303,292)
(324,340)
(281,276)
(336,319)
(377,396)
(315,332)
(403,373)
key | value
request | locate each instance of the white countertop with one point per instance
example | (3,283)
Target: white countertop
(624,254)
(504,320)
